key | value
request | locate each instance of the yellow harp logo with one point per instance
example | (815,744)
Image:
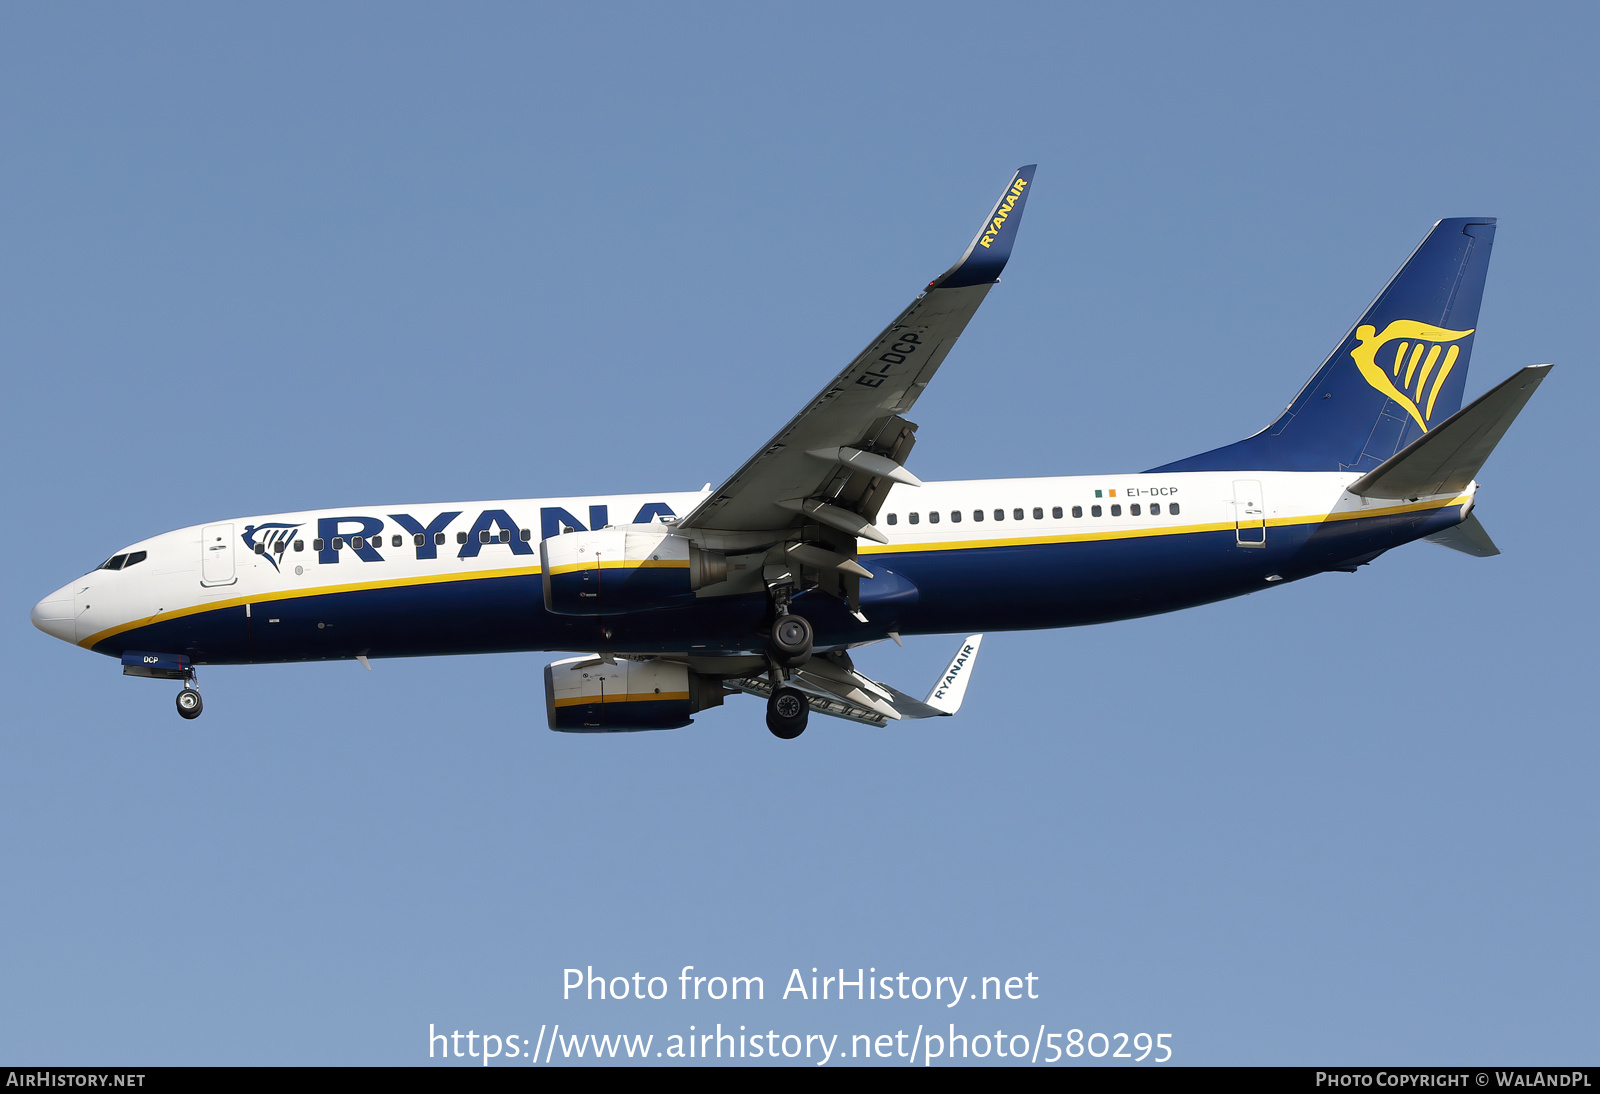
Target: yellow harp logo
(1419,344)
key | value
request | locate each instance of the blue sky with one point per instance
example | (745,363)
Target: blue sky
(275,258)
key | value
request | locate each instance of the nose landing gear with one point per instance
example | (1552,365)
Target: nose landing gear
(189,705)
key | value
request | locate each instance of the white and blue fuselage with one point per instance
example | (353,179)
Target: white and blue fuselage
(992,554)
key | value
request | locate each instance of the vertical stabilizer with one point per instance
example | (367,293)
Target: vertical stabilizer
(1399,372)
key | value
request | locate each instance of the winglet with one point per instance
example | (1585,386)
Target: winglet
(986,255)
(947,694)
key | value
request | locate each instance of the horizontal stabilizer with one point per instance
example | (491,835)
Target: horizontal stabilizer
(1447,458)
(1469,537)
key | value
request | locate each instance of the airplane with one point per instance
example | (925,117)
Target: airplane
(823,541)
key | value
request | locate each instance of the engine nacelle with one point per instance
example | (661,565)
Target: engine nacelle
(634,568)
(588,695)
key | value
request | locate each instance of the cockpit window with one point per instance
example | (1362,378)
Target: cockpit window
(123,561)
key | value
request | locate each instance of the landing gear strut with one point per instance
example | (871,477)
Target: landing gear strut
(189,705)
(788,648)
(787,712)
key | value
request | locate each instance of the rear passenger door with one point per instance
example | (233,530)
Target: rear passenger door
(1249,514)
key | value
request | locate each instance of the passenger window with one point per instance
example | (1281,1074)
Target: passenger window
(1133,510)
(299,545)
(1016,514)
(999,514)
(316,544)
(955,516)
(395,541)
(505,535)
(357,543)
(114,562)
(1038,513)
(933,518)
(261,548)
(1173,508)
(338,543)
(483,536)
(1077,510)
(914,518)
(1155,509)
(461,537)
(977,514)
(893,520)
(134,559)
(1116,510)
(438,539)
(1094,510)
(527,534)
(1055,514)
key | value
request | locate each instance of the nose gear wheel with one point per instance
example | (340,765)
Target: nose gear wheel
(189,705)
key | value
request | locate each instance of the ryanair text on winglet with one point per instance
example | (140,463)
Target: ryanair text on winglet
(955,670)
(1000,214)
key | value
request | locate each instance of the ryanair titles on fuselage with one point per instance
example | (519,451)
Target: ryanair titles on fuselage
(363,535)
(1000,214)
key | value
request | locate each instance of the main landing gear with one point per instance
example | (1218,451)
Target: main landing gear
(789,641)
(788,647)
(787,712)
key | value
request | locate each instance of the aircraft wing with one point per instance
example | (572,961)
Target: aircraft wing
(835,460)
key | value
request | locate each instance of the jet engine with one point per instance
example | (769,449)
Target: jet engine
(592,695)
(633,568)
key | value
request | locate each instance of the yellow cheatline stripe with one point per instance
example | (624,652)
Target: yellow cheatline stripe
(1029,541)
(642,697)
(1136,533)
(301,594)
(647,564)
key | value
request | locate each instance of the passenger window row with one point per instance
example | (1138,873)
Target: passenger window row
(957,515)
(360,542)
(1133,510)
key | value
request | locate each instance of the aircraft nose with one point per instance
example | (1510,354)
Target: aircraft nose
(54,616)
